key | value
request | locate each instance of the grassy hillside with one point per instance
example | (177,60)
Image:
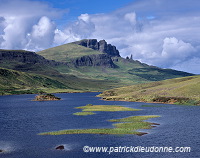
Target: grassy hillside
(16,82)
(185,90)
(127,71)
(66,52)
(35,72)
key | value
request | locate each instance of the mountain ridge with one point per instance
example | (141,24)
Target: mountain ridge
(101,46)
(80,68)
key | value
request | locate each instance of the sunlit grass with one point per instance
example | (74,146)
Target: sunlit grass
(106,108)
(83,113)
(185,91)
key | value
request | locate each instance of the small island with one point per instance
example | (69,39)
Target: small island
(46,97)
(128,125)
(121,126)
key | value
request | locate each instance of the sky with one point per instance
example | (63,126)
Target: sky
(163,33)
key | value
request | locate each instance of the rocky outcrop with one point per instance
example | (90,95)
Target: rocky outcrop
(23,60)
(46,97)
(27,57)
(101,46)
(103,60)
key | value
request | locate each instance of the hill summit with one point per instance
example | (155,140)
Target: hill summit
(101,46)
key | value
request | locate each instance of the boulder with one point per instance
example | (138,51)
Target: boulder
(60,147)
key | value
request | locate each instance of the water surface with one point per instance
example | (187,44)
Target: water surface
(22,119)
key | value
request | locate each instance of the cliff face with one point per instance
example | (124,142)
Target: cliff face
(24,57)
(94,60)
(17,57)
(101,46)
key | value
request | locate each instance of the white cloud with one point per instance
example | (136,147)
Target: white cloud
(42,34)
(80,29)
(131,17)
(175,51)
(19,17)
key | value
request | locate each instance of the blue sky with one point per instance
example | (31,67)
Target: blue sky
(77,7)
(163,33)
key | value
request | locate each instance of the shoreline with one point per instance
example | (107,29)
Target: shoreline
(170,103)
(101,98)
(53,93)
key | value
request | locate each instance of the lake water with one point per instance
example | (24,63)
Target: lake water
(22,119)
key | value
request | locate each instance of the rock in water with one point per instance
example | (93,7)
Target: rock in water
(1,151)
(60,147)
(46,97)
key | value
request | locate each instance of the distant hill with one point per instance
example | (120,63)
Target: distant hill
(89,58)
(185,90)
(17,82)
(86,65)
(27,72)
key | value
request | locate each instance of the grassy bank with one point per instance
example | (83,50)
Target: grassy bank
(185,90)
(127,125)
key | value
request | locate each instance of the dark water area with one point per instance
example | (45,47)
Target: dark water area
(22,119)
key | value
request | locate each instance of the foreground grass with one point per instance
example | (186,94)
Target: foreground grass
(110,108)
(127,125)
(83,113)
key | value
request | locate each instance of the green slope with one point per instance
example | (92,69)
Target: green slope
(127,71)
(62,76)
(35,72)
(66,52)
(16,82)
(130,72)
(185,90)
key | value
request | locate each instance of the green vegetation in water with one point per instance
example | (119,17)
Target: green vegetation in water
(83,113)
(127,125)
(152,106)
(90,107)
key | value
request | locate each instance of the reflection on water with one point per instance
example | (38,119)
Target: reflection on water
(8,147)
(22,119)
